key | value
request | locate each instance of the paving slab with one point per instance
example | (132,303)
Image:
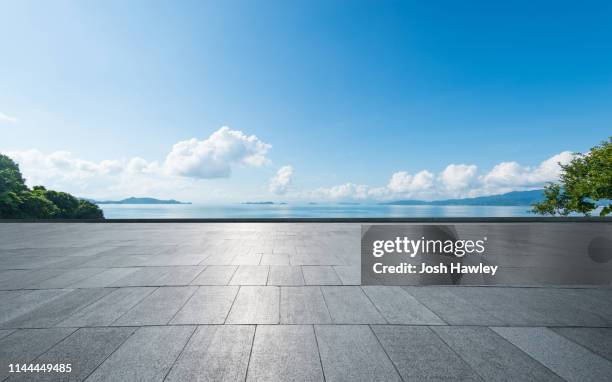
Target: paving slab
(215,275)
(255,305)
(247,259)
(564,357)
(27,302)
(23,346)
(303,305)
(158,308)
(146,276)
(349,305)
(320,275)
(491,356)
(250,275)
(219,258)
(84,350)
(105,278)
(420,355)
(285,353)
(274,259)
(530,306)
(215,353)
(597,340)
(109,308)
(68,278)
(179,275)
(208,305)
(6,332)
(147,355)
(349,274)
(313,259)
(352,353)
(285,275)
(399,307)
(451,308)
(29,279)
(58,309)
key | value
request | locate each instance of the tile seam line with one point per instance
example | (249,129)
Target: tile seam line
(233,302)
(552,329)
(154,289)
(55,323)
(198,274)
(196,288)
(73,314)
(111,353)
(554,333)
(74,330)
(326,306)
(246,374)
(457,354)
(445,323)
(373,304)
(319,352)
(517,348)
(195,329)
(385,351)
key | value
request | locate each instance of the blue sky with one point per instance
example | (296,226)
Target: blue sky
(345,93)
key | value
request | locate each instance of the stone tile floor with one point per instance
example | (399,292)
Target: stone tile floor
(271,302)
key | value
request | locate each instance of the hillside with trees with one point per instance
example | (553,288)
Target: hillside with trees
(17,201)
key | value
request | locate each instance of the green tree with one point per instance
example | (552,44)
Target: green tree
(34,205)
(17,201)
(585,183)
(88,210)
(11,186)
(67,204)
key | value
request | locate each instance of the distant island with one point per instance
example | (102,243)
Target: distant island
(515,198)
(134,200)
(258,203)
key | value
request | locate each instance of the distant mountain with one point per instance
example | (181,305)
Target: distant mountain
(515,198)
(134,200)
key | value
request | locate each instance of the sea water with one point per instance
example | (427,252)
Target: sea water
(237,211)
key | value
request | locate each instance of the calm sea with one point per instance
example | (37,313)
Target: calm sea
(124,211)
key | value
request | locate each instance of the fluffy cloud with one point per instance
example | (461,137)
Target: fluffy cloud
(214,156)
(512,174)
(457,177)
(187,163)
(455,181)
(8,118)
(280,183)
(402,182)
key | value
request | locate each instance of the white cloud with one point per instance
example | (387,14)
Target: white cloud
(189,162)
(512,174)
(402,182)
(280,183)
(214,156)
(455,181)
(458,177)
(8,118)
(184,167)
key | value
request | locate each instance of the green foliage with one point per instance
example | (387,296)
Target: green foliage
(34,205)
(67,204)
(10,176)
(584,182)
(19,202)
(88,210)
